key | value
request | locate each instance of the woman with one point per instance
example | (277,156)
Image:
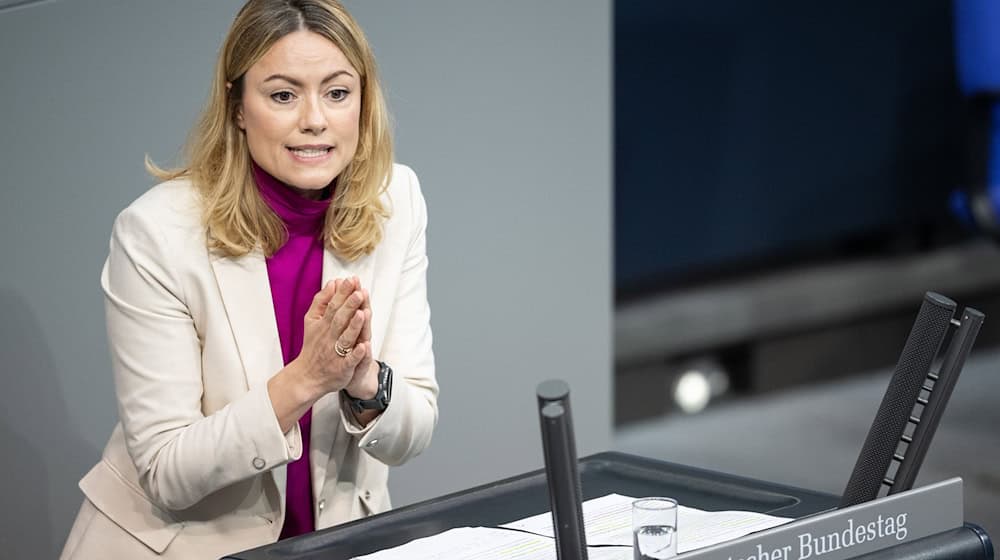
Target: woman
(266,308)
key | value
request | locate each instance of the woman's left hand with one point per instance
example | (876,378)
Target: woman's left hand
(364,384)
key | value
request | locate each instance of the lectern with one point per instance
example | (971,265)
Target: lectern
(503,501)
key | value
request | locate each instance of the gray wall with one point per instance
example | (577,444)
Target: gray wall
(502,108)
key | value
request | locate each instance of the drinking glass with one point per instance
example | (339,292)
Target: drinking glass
(654,528)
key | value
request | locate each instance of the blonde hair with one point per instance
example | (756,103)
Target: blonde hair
(236,217)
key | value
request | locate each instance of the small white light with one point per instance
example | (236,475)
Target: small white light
(692,391)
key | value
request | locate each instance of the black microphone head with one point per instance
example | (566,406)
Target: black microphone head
(552,390)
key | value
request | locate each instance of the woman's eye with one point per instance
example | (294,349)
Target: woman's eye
(338,94)
(282,96)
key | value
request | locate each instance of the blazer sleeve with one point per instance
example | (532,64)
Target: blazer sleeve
(405,428)
(180,454)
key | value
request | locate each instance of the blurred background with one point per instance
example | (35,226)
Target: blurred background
(488,110)
(715,219)
(790,178)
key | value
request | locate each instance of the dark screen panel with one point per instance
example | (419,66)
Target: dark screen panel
(760,130)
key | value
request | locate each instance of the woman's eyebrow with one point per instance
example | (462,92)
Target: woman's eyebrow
(298,83)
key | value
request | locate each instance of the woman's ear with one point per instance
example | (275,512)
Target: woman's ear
(239,109)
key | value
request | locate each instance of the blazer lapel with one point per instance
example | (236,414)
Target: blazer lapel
(324,446)
(246,294)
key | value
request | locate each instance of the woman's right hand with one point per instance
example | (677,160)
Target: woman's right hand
(337,316)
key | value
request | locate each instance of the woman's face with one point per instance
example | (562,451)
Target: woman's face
(301,108)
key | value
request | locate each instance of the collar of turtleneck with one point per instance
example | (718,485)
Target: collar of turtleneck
(301,215)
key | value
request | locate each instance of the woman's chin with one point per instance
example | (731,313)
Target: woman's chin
(310,182)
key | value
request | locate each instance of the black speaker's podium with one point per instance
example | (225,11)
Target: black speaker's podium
(522,496)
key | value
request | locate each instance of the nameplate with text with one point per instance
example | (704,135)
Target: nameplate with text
(849,532)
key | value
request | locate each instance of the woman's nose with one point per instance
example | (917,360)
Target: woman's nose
(313,119)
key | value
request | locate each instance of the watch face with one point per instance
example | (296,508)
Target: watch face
(387,384)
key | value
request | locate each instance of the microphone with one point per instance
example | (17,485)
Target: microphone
(561,473)
(894,413)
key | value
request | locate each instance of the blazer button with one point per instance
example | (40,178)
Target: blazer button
(368,494)
(322,504)
(258,463)
(372,443)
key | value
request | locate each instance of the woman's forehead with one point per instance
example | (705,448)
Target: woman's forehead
(305,55)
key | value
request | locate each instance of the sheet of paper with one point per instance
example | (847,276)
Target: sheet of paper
(608,521)
(482,543)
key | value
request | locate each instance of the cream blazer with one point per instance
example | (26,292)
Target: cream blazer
(196,466)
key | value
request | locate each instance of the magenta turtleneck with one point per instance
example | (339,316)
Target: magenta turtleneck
(295,273)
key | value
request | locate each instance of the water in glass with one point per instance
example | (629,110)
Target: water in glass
(654,542)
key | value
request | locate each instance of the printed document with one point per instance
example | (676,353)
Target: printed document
(607,522)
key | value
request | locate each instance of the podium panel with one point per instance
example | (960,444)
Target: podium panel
(494,504)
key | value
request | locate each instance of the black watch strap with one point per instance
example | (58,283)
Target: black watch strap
(382,396)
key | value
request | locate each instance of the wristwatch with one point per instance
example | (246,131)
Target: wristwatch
(382,395)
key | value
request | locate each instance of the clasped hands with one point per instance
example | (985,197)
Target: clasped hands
(340,316)
(337,347)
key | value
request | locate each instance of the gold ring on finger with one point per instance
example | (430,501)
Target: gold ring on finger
(341,351)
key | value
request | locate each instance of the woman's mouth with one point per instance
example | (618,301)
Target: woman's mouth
(310,153)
